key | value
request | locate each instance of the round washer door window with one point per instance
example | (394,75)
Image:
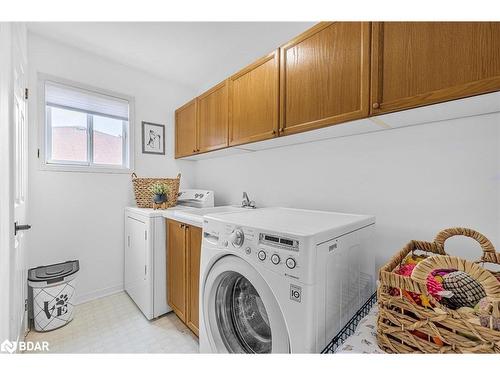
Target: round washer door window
(241,311)
(241,316)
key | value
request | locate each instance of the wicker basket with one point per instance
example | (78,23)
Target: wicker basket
(144,196)
(447,331)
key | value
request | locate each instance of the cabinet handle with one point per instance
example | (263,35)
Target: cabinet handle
(376,105)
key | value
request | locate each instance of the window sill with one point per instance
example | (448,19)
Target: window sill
(83,169)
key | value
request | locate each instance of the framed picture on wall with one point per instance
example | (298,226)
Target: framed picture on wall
(153,138)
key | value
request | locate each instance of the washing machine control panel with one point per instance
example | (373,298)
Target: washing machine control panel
(278,253)
(282,253)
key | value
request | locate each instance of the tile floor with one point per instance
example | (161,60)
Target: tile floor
(114,324)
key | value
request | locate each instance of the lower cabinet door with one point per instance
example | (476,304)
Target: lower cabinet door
(193,277)
(176,268)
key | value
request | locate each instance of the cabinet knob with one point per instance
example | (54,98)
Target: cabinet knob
(194,150)
(376,106)
(282,130)
(274,132)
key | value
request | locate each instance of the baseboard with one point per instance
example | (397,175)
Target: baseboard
(82,298)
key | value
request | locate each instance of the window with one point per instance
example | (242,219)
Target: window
(85,129)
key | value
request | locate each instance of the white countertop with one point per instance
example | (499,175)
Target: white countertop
(195,216)
(149,212)
(184,214)
(283,220)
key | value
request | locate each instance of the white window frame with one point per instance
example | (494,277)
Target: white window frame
(68,166)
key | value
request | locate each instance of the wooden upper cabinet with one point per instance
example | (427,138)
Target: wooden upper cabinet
(193,278)
(176,268)
(341,71)
(185,130)
(419,63)
(254,101)
(213,118)
(324,76)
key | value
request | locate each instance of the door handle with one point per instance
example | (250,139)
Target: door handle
(18,228)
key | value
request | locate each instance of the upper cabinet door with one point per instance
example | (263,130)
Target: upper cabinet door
(254,101)
(324,76)
(185,130)
(213,118)
(419,63)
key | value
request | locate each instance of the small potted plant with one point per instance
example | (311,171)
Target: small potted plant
(160,192)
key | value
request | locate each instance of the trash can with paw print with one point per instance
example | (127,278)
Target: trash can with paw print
(51,294)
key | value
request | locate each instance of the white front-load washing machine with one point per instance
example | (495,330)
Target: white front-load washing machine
(281,280)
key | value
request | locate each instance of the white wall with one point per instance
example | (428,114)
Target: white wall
(80,215)
(416,180)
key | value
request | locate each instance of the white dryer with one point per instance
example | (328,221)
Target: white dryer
(145,263)
(280,280)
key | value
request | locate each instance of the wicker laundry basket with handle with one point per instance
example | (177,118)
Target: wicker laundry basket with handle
(144,196)
(404,326)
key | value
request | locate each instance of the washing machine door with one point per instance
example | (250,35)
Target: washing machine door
(240,310)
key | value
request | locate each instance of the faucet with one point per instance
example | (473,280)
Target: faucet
(247,203)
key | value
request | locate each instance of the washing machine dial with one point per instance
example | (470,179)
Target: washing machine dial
(291,263)
(275,258)
(237,237)
(262,255)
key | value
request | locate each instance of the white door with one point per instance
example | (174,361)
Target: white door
(20,163)
(6,201)
(240,311)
